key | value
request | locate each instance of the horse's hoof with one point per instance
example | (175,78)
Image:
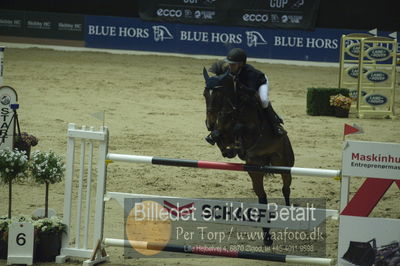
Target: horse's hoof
(210,140)
(242,156)
(229,155)
(268,241)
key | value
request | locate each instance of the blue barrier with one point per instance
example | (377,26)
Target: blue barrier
(321,45)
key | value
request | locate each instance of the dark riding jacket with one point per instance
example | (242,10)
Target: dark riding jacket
(249,78)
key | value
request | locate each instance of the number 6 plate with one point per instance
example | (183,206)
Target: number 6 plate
(20,244)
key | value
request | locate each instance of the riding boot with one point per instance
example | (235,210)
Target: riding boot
(275,121)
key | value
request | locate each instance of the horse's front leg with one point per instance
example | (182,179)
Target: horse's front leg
(257,180)
(286,178)
(238,134)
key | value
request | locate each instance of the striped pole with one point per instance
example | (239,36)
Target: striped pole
(223,166)
(212,251)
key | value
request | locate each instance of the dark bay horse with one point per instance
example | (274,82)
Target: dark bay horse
(236,118)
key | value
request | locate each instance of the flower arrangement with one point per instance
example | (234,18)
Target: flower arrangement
(47,225)
(25,141)
(30,140)
(50,225)
(340,101)
(47,168)
(13,165)
(4,222)
(48,241)
(48,234)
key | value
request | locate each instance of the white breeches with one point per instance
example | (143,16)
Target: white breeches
(263,93)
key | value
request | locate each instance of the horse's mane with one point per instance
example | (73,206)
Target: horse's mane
(218,67)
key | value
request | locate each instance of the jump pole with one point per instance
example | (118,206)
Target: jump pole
(207,251)
(223,166)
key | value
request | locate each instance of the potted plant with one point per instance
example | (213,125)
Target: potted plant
(341,104)
(4,222)
(13,165)
(48,238)
(46,168)
(24,142)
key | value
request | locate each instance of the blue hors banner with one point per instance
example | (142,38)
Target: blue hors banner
(134,34)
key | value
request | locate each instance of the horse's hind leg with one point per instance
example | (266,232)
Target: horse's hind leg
(258,187)
(287,181)
(287,160)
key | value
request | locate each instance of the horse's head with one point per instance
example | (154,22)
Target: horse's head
(213,104)
(213,92)
(232,115)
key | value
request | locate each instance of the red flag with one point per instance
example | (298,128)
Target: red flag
(355,129)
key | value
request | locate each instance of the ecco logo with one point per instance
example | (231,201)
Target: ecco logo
(169,13)
(255,17)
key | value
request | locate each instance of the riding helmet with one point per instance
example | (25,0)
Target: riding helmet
(236,55)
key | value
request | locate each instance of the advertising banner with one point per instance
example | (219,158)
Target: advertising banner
(135,34)
(288,14)
(368,241)
(222,224)
(42,25)
(11,23)
(371,159)
(185,11)
(284,14)
(228,211)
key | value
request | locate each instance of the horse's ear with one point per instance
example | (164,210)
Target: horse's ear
(210,82)
(205,74)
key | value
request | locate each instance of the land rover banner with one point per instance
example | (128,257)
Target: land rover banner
(288,14)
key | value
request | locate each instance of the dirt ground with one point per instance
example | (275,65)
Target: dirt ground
(154,106)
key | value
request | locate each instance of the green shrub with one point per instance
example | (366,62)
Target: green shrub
(318,100)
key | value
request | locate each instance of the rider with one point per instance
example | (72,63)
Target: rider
(247,77)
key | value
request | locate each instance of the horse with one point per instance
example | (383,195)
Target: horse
(236,119)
